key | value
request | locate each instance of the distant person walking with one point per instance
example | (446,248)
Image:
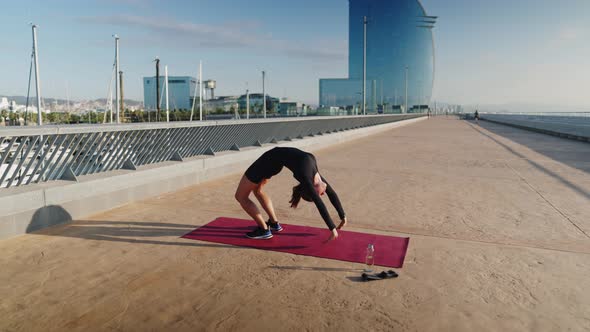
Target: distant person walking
(311,186)
(476,115)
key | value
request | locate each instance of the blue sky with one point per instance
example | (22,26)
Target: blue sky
(488,52)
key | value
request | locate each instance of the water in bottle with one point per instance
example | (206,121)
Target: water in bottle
(370,258)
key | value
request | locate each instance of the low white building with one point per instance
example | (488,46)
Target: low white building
(31,109)
(4,104)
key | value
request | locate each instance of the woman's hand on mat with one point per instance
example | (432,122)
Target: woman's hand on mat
(333,236)
(342,223)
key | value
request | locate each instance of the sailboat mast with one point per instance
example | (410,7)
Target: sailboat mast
(166,85)
(116,73)
(37,78)
(200,90)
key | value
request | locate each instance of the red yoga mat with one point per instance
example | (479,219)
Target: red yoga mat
(390,251)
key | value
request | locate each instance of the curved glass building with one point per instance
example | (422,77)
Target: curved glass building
(399,45)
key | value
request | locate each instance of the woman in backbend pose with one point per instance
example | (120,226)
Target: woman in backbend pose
(311,186)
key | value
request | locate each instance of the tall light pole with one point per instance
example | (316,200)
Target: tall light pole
(374,95)
(194,100)
(263,94)
(200,90)
(406,108)
(37,79)
(166,85)
(118,102)
(157,60)
(122,107)
(247,102)
(382,94)
(364,65)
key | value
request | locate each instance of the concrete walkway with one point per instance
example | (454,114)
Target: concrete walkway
(499,220)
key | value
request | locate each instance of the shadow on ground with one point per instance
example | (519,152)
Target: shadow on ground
(48,216)
(573,156)
(572,153)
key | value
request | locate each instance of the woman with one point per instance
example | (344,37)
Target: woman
(311,186)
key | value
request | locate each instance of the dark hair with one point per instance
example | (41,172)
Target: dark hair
(298,194)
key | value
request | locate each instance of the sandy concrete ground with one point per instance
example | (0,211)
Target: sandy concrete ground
(499,221)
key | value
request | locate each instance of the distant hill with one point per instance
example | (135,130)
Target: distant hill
(128,102)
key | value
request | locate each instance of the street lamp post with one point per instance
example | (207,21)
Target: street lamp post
(118,102)
(247,104)
(167,93)
(382,93)
(364,65)
(263,94)
(38,88)
(406,107)
(200,90)
(194,100)
(157,61)
(37,79)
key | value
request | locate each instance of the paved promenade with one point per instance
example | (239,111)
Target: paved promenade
(499,220)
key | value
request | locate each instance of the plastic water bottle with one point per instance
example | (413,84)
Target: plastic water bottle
(370,258)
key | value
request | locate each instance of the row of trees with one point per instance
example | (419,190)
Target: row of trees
(13,118)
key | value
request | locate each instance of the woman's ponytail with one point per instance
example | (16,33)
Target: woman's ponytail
(298,194)
(295,196)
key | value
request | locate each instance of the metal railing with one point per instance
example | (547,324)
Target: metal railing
(48,153)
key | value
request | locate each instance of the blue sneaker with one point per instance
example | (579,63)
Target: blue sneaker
(274,226)
(259,234)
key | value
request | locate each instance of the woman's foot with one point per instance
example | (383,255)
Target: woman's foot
(274,226)
(259,234)
(343,223)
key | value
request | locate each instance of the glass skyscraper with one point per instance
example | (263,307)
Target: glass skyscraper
(399,36)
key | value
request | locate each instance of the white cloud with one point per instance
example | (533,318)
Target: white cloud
(236,35)
(570,34)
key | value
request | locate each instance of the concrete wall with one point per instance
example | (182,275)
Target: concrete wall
(30,208)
